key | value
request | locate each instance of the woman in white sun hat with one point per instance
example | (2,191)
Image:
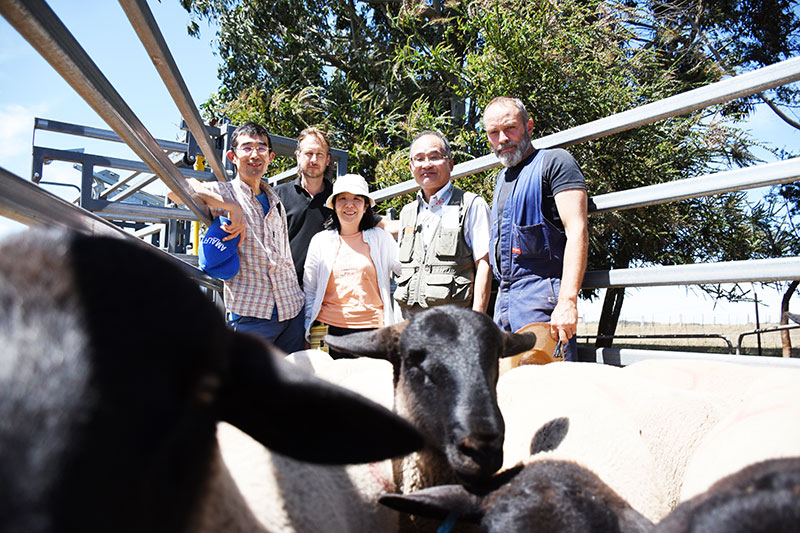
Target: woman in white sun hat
(348,266)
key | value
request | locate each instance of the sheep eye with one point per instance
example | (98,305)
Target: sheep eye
(416,357)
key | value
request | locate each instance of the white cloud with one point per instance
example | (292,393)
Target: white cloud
(16,129)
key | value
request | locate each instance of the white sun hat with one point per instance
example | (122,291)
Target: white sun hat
(352,183)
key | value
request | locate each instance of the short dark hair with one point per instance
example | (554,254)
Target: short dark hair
(435,133)
(368,221)
(251,129)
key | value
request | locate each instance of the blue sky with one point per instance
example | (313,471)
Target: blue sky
(31,88)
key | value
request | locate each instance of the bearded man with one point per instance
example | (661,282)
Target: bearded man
(539,227)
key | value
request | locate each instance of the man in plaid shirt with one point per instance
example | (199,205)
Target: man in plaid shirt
(264,297)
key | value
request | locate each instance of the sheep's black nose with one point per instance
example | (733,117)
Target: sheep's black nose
(485,449)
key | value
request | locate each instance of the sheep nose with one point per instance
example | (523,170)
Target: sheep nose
(485,451)
(481,442)
(484,448)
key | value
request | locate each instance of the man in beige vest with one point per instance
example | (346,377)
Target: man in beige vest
(444,236)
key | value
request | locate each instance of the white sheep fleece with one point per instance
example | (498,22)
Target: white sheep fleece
(669,406)
(765,426)
(253,489)
(369,377)
(742,434)
(256,490)
(600,437)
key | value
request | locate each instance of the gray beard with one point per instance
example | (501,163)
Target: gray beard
(510,159)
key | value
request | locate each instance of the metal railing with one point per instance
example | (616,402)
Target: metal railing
(683,336)
(33,206)
(759,331)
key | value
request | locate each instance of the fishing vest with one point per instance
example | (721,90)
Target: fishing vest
(444,272)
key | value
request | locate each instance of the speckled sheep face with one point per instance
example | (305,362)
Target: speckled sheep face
(445,375)
(448,370)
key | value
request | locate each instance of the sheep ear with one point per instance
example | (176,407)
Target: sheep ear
(381,343)
(516,343)
(438,502)
(297,414)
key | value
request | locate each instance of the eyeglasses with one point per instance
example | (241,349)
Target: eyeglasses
(435,159)
(247,150)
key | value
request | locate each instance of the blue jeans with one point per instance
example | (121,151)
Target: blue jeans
(288,335)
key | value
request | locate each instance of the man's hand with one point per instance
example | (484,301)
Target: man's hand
(564,320)
(237,225)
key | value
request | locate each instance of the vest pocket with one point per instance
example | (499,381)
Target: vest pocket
(438,288)
(529,242)
(402,282)
(406,247)
(447,242)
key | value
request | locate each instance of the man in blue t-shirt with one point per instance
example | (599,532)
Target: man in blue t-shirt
(540,236)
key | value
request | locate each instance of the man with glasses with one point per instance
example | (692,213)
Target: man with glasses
(444,236)
(540,236)
(263,297)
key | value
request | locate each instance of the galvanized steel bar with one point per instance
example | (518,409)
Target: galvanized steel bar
(682,336)
(147,29)
(277,178)
(776,173)
(772,329)
(37,23)
(121,183)
(139,213)
(31,205)
(761,270)
(722,91)
(98,133)
(133,189)
(625,357)
(54,154)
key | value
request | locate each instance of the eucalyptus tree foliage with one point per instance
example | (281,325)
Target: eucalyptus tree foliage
(374,73)
(312,62)
(730,36)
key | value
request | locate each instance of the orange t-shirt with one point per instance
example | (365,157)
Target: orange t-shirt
(352,299)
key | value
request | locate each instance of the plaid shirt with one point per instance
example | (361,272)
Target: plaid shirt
(266,275)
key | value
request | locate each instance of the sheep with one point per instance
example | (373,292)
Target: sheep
(543,496)
(109,408)
(766,425)
(559,496)
(445,370)
(371,378)
(577,412)
(751,406)
(637,427)
(762,497)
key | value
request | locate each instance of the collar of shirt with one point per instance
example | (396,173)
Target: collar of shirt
(438,199)
(327,187)
(245,187)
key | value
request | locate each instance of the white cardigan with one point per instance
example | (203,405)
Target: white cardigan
(322,252)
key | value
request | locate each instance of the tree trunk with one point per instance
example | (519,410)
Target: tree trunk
(612,305)
(786,339)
